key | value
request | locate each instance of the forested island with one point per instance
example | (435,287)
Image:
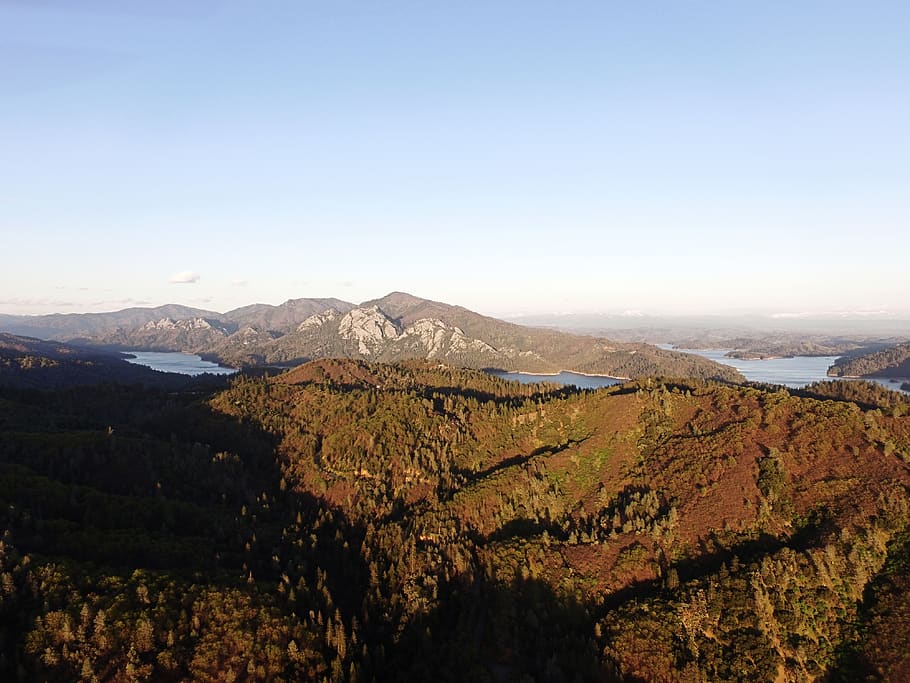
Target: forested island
(355,521)
(778,346)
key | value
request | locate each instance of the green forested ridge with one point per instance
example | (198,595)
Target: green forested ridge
(26,362)
(777,345)
(360,521)
(893,361)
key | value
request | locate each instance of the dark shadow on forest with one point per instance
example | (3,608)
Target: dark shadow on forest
(470,476)
(492,631)
(127,478)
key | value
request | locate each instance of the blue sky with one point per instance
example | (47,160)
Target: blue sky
(508,156)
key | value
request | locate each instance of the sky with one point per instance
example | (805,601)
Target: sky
(510,157)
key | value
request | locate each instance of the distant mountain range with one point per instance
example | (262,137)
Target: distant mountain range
(64,326)
(396,327)
(633,326)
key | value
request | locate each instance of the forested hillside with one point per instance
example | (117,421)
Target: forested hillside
(891,362)
(352,521)
(31,363)
(760,345)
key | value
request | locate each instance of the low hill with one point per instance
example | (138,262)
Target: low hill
(890,362)
(781,345)
(28,363)
(355,520)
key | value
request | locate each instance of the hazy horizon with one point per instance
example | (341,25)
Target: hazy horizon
(512,158)
(579,318)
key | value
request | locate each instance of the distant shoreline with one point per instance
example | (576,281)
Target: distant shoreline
(556,374)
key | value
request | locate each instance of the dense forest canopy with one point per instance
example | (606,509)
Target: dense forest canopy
(893,361)
(354,521)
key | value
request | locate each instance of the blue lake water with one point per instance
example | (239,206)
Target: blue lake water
(564,378)
(792,372)
(182,363)
(795,372)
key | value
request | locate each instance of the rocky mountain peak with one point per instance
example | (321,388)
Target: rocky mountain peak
(171,324)
(438,337)
(368,327)
(318,320)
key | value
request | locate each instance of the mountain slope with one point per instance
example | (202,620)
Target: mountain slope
(67,326)
(285,317)
(401,326)
(893,362)
(168,334)
(363,521)
(28,363)
(708,532)
(396,327)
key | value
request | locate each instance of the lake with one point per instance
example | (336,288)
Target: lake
(795,372)
(564,378)
(792,372)
(181,363)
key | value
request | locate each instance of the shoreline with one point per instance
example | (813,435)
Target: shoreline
(556,374)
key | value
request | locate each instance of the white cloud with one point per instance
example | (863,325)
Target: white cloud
(187,277)
(239,283)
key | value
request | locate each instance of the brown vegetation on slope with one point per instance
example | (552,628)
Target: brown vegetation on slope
(413,520)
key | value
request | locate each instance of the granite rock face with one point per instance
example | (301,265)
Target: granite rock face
(439,339)
(319,320)
(168,334)
(369,328)
(184,325)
